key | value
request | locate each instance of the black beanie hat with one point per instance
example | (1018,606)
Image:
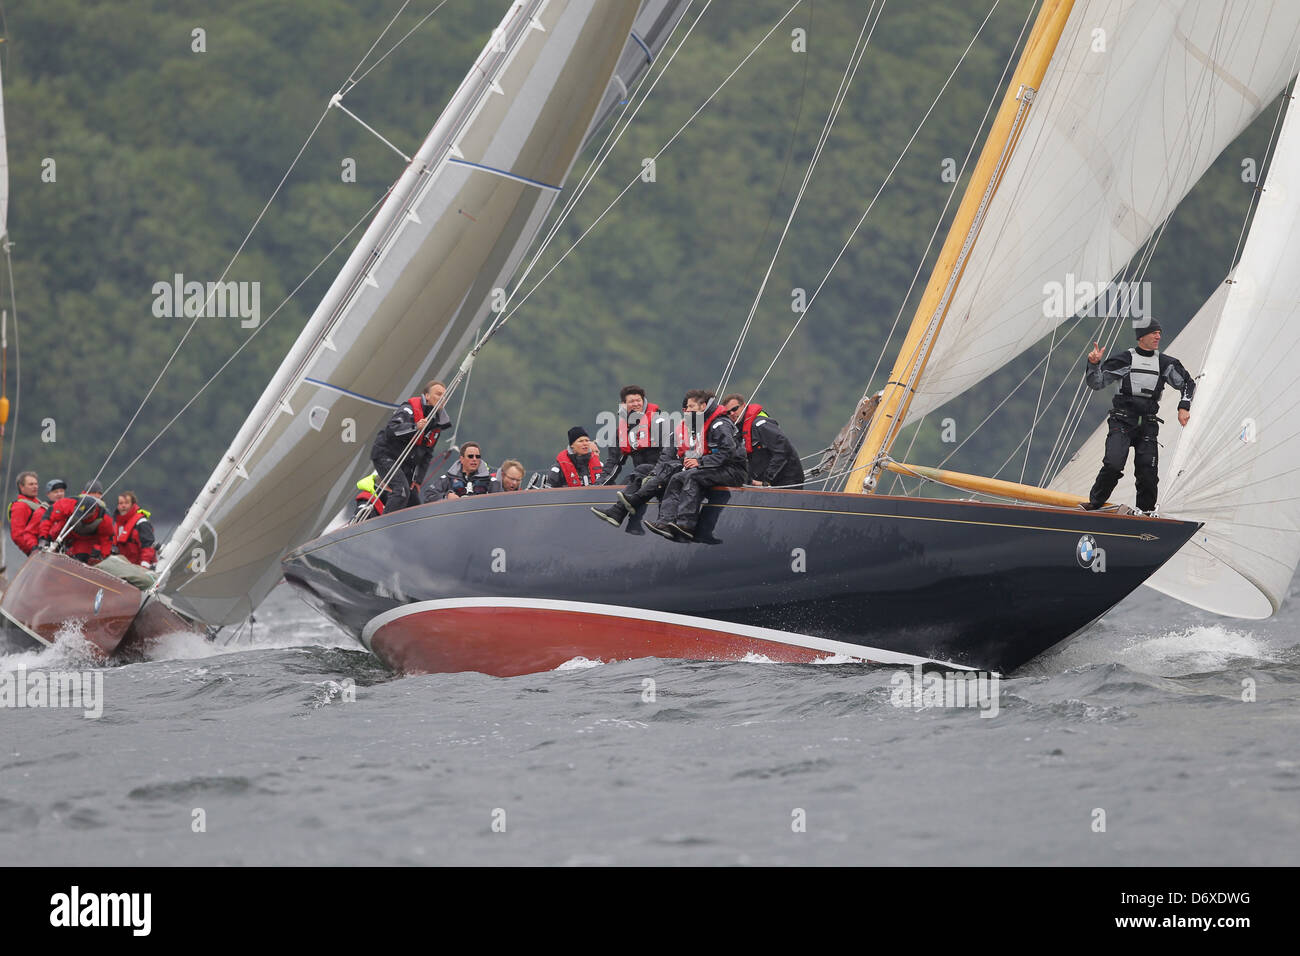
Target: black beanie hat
(576,432)
(1151,326)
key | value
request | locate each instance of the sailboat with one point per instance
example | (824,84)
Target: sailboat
(1086,156)
(1113,113)
(404,307)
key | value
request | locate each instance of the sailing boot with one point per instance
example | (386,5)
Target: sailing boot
(662,528)
(685,531)
(614,514)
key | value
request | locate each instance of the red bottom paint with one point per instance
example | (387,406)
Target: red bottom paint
(507,642)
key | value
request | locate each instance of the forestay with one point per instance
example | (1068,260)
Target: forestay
(410,298)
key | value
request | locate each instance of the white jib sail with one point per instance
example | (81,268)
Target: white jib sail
(1236,467)
(1137,102)
(408,301)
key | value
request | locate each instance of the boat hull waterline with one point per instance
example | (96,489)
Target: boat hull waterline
(512,584)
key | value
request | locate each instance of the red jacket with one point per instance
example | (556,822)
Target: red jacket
(133,535)
(93,540)
(22,526)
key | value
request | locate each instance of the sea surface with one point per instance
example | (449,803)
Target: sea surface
(1162,736)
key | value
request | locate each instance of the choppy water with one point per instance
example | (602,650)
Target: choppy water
(1141,718)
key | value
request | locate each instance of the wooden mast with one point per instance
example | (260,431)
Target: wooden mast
(996,154)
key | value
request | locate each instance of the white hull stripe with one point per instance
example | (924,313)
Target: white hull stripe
(873,654)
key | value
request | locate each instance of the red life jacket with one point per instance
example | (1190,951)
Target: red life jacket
(24,530)
(642,431)
(431,433)
(570,470)
(746,424)
(92,537)
(128,540)
(708,423)
(684,442)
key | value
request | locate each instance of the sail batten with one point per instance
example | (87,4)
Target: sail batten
(413,293)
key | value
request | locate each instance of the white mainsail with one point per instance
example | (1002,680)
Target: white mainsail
(410,298)
(1235,467)
(1139,99)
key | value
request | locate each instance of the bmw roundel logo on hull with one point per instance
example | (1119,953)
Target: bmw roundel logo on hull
(1086,551)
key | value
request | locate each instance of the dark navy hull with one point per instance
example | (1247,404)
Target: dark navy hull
(509,583)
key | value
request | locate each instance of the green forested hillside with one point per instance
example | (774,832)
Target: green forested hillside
(133,158)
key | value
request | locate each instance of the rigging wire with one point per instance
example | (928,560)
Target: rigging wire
(837,103)
(229,265)
(603,153)
(365,217)
(505,315)
(252,335)
(1139,270)
(870,206)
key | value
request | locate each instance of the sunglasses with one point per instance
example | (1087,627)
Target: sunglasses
(467,455)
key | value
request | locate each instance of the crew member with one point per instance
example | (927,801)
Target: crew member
(133,533)
(468,475)
(366,496)
(55,489)
(509,477)
(25,513)
(412,415)
(91,537)
(577,465)
(641,491)
(1141,373)
(772,459)
(719,459)
(640,435)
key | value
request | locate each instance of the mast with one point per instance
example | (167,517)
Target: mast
(933,308)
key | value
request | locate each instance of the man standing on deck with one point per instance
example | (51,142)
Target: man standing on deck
(411,416)
(1141,373)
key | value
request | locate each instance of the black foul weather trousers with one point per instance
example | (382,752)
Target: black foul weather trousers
(654,484)
(399,485)
(1140,433)
(681,502)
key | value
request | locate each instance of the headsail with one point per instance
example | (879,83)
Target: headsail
(1138,101)
(1235,468)
(409,299)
